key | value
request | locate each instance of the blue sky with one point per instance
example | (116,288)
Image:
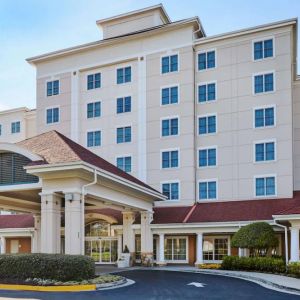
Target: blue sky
(32,27)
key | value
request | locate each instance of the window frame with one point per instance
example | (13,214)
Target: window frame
(264,107)
(206,51)
(161,126)
(86,136)
(264,142)
(169,150)
(263,39)
(206,116)
(207,181)
(52,80)
(206,83)
(169,55)
(264,176)
(207,148)
(59,115)
(116,103)
(264,73)
(116,134)
(124,156)
(15,121)
(169,87)
(170,182)
(123,67)
(93,73)
(186,250)
(93,117)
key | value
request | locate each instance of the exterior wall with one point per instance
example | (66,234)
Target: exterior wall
(192,250)
(234,108)
(24,244)
(28,126)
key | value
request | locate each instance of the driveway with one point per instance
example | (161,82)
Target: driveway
(165,285)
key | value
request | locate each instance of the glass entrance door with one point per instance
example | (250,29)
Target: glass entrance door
(102,250)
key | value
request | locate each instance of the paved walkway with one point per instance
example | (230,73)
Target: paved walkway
(276,282)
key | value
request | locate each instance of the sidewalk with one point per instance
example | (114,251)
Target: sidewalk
(276,282)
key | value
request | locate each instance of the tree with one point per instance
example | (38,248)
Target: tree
(257,237)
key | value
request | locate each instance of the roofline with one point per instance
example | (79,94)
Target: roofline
(91,45)
(89,167)
(12,110)
(248,30)
(286,217)
(134,12)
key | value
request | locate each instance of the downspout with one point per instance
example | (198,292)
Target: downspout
(285,241)
(83,193)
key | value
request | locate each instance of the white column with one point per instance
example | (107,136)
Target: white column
(36,243)
(50,223)
(295,244)
(146,233)
(120,246)
(128,233)
(161,250)
(3,244)
(74,229)
(199,249)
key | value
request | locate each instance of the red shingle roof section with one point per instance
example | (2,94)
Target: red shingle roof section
(164,215)
(56,148)
(16,221)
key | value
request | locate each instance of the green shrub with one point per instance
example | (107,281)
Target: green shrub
(258,237)
(46,266)
(260,264)
(294,269)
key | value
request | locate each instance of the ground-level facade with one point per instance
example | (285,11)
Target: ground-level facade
(78,203)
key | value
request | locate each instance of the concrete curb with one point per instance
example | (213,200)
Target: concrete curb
(101,286)
(249,277)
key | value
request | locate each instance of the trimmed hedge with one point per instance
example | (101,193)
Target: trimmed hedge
(294,269)
(260,264)
(46,266)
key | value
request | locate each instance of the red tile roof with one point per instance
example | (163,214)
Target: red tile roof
(56,148)
(16,221)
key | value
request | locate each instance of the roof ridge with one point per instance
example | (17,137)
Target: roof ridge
(189,213)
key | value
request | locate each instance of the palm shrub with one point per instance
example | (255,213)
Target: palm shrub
(258,237)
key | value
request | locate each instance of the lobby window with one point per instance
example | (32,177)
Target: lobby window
(52,115)
(207,125)
(52,88)
(206,60)
(171,190)
(169,95)
(265,151)
(94,109)
(176,249)
(265,186)
(94,81)
(124,163)
(123,75)
(123,105)
(170,159)
(169,127)
(263,49)
(263,83)
(123,135)
(206,92)
(169,64)
(15,127)
(207,190)
(207,157)
(264,117)
(94,138)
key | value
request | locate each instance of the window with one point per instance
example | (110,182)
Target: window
(94,110)
(94,81)
(0,129)
(123,105)
(123,134)
(15,127)
(124,163)
(264,151)
(215,248)
(94,138)
(263,49)
(169,95)
(176,249)
(263,83)
(170,159)
(169,127)
(265,186)
(207,125)
(52,115)
(264,117)
(171,190)
(123,75)
(207,157)
(206,60)
(52,88)
(169,64)
(207,190)
(206,92)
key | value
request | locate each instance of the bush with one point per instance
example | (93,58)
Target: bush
(46,266)
(257,237)
(294,269)
(260,264)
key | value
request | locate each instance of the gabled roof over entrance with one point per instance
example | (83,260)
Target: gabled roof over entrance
(55,148)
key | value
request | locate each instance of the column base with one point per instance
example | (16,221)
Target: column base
(147,259)
(161,263)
